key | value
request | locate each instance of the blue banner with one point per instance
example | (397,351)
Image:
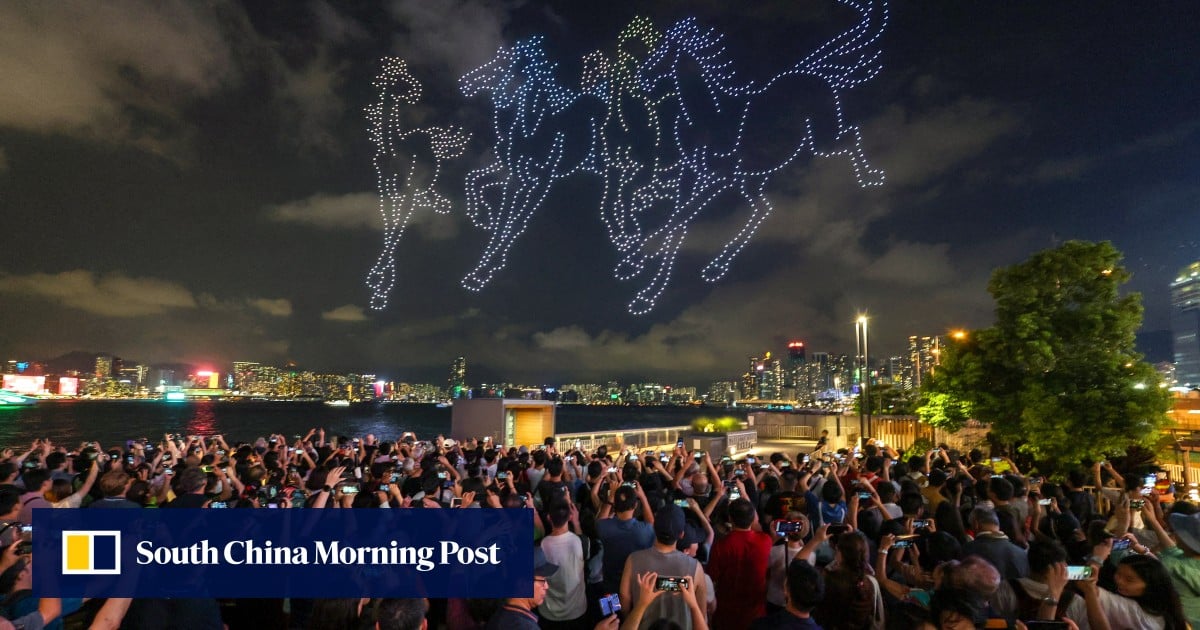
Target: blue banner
(283,553)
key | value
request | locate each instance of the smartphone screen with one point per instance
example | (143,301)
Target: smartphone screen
(1076,572)
(1121,544)
(669,584)
(610,604)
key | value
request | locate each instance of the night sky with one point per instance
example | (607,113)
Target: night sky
(193,181)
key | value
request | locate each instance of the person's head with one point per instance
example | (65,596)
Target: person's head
(543,570)
(1000,489)
(669,524)
(1043,555)
(984,519)
(916,463)
(1076,479)
(787,481)
(61,489)
(832,493)
(139,492)
(742,514)
(1145,580)
(700,485)
(974,574)
(193,480)
(114,483)
(560,514)
(10,504)
(624,499)
(56,460)
(943,547)
(874,463)
(852,552)
(887,492)
(401,614)
(937,478)
(8,472)
(36,480)
(955,609)
(539,458)
(805,587)
(554,467)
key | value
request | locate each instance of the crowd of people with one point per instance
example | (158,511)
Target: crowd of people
(862,538)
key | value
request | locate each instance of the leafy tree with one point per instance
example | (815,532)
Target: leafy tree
(944,411)
(1058,370)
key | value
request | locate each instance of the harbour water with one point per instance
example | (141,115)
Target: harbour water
(112,422)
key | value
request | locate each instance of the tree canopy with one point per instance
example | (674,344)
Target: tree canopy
(1058,371)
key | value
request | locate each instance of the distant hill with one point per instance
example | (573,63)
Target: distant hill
(79,360)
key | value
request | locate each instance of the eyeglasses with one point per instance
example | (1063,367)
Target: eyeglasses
(538,580)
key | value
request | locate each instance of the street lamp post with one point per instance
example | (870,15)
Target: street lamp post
(862,355)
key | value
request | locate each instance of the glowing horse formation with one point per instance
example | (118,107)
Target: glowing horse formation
(403,186)
(665,122)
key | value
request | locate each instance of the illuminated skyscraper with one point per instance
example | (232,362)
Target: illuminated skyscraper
(458,378)
(797,376)
(1185,325)
(104,366)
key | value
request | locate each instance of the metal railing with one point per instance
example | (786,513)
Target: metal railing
(785,432)
(657,438)
(1177,472)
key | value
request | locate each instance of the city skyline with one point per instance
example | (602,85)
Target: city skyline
(194,183)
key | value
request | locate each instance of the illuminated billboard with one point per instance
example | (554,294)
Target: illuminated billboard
(22,384)
(68,386)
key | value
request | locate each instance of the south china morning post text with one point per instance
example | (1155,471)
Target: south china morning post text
(284,553)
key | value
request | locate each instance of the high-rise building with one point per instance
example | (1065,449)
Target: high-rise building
(924,355)
(458,378)
(796,375)
(1185,325)
(104,366)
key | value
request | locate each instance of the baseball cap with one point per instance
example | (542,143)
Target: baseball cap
(669,522)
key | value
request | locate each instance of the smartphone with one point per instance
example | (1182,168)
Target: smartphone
(383,487)
(26,532)
(785,464)
(167,470)
(349,489)
(216,505)
(612,469)
(730,484)
(456,502)
(206,468)
(920,523)
(24,548)
(669,584)
(838,528)
(735,494)
(901,544)
(788,527)
(1137,504)
(751,460)
(1120,544)
(449,483)
(682,503)
(679,444)
(805,459)
(1045,501)
(1080,572)
(274,506)
(502,475)
(699,455)
(739,473)
(610,604)
(862,496)
(1149,480)
(441,475)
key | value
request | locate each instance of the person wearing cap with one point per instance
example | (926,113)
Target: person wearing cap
(738,565)
(665,560)
(1180,556)
(623,534)
(517,612)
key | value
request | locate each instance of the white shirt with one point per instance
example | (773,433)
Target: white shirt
(1124,613)
(567,597)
